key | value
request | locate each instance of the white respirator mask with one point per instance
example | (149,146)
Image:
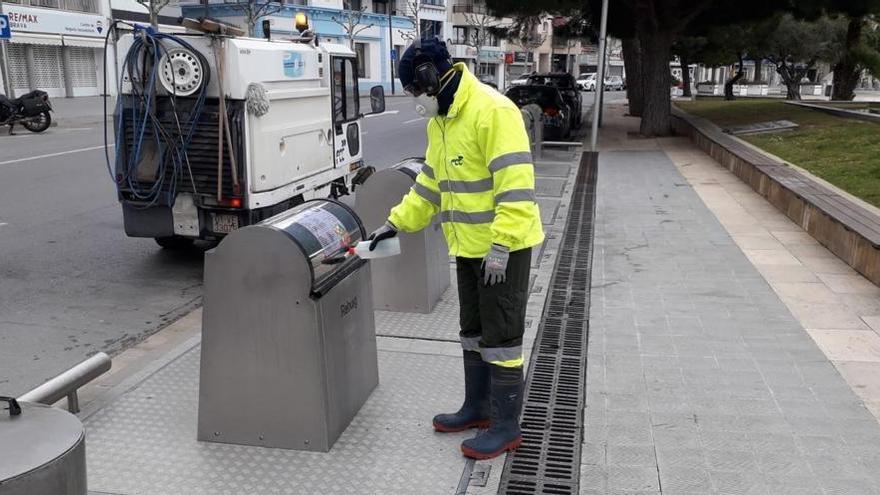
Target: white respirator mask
(427,105)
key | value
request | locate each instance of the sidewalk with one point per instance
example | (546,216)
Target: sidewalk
(700,379)
(81,110)
(141,428)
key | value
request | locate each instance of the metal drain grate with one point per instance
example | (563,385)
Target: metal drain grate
(549,459)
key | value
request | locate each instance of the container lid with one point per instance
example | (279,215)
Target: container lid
(325,230)
(34,438)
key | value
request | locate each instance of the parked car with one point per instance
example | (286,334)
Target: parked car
(519,81)
(587,82)
(569,88)
(614,83)
(557,114)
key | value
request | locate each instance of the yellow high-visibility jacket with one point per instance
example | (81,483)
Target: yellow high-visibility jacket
(479,176)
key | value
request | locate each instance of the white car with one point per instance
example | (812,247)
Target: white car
(587,82)
(614,83)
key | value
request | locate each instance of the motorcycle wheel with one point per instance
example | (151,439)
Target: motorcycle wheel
(39,123)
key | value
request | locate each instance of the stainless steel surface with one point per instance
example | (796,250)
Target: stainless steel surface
(42,451)
(66,384)
(415,280)
(281,365)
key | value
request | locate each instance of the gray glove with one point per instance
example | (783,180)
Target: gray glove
(495,265)
(386,231)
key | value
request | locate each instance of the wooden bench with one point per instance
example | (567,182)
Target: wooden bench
(845,227)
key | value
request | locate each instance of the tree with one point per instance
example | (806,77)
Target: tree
(412,10)
(252,11)
(856,55)
(795,46)
(655,24)
(481,29)
(153,7)
(524,33)
(350,21)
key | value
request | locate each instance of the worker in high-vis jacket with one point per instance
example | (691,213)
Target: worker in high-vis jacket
(480,180)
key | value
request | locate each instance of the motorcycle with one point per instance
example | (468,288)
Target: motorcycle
(30,110)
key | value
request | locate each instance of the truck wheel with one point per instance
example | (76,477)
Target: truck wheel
(174,242)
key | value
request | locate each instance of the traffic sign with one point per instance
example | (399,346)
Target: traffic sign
(394,54)
(5,31)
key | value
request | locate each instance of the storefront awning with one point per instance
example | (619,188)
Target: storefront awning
(35,39)
(83,41)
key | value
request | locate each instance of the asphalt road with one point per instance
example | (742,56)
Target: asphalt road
(71,282)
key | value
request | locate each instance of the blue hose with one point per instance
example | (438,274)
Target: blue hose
(145,55)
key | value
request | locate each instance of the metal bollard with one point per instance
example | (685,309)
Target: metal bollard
(66,384)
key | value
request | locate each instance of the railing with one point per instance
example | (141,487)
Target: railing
(90,6)
(470,8)
(68,383)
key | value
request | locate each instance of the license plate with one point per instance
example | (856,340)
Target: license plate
(224,224)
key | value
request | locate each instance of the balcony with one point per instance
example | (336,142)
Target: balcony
(90,6)
(470,8)
(437,4)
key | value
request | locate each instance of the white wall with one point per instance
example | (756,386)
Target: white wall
(330,4)
(171,10)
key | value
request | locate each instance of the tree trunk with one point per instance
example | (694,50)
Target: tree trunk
(847,71)
(759,69)
(728,86)
(632,65)
(656,50)
(685,75)
(792,80)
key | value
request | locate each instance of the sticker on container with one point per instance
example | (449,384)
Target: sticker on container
(326,228)
(294,66)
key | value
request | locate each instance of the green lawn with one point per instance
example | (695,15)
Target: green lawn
(844,152)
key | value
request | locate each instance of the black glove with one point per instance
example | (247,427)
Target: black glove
(386,231)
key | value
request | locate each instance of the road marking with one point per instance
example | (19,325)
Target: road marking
(386,112)
(413,120)
(50,155)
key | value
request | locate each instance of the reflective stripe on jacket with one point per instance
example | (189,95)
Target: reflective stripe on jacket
(479,176)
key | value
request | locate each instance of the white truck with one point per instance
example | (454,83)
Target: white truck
(217,132)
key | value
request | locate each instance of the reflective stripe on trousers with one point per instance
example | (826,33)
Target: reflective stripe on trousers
(507,357)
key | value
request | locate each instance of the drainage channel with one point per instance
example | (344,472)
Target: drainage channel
(552,420)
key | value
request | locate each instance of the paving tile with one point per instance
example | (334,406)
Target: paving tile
(863,377)
(826,264)
(804,292)
(787,273)
(826,316)
(633,479)
(848,345)
(849,284)
(773,258)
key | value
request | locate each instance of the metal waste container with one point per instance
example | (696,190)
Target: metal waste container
(288,336)
(42,451)
(416,279)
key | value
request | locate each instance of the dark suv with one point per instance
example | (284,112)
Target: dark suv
(567,85)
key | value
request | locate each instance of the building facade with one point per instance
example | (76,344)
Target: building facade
(57,46)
